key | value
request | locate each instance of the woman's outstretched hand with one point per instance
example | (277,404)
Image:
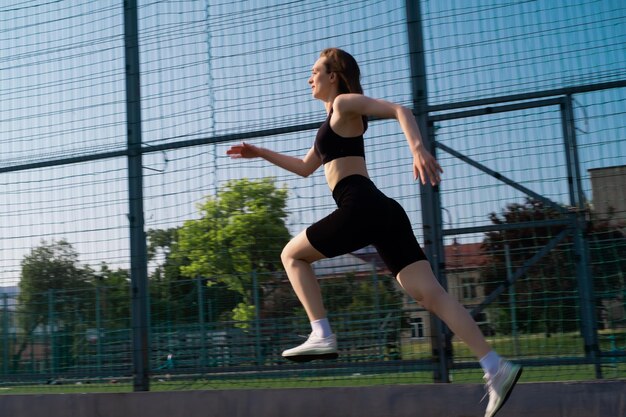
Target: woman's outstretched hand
(245,150)
(426,167)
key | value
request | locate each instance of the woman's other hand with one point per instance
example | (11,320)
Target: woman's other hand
(426,167)
(244,150)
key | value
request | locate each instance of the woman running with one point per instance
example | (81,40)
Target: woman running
(365,216)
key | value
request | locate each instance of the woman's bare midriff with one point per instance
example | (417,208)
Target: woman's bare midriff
(338,169)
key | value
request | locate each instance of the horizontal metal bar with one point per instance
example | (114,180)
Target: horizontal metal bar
(577,360)
(64,161)
(148,148)
(232,137)
(508,226)
(497,109)
(528,96)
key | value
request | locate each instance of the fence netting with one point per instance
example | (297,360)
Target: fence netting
(221,308)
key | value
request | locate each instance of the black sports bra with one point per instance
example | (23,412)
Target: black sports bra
(330,146)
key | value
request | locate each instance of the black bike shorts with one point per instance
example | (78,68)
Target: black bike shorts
(366,216)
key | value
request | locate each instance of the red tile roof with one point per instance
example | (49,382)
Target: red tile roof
(458,256)
(464,256)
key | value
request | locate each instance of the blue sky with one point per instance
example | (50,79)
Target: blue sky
(211,68)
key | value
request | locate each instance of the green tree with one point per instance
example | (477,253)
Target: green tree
(54,289)
(546,296)
(113,289)
(242,229)
(174,297)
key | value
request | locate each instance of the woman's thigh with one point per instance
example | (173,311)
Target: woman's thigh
(342,231)
(419,281)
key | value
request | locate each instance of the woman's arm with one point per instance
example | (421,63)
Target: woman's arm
(424,164)
(303,167)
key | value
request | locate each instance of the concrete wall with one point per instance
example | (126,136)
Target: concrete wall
(589,399)
(609,192)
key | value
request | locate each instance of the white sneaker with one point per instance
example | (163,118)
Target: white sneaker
(500,385)
(314,348)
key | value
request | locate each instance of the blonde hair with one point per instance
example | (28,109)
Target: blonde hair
(345,66)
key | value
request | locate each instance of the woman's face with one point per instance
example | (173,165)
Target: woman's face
(321,82)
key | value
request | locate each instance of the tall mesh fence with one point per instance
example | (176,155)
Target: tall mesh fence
(221,307)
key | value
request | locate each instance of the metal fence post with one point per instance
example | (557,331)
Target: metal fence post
(5,334)
(201,322)
(512,300)
(51,332)
(257,317)
(98,328)
(138,251)
(430,198)
(589,326)
(380,329)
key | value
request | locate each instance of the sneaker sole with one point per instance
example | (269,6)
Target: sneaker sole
(310,357)
(508,393)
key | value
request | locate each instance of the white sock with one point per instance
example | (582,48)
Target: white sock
(321,327)
(490,363)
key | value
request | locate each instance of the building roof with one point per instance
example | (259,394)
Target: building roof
(367,260)
(343,264)
(464,256)
(611,168)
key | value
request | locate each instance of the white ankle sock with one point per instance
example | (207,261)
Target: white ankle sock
(321,327)
(490,363)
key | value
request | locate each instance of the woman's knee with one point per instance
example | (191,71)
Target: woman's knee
(299,249)
(420,282)
(433,298)
(287,256)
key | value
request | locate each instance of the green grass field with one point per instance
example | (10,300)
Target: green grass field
(529,347)
(531,374)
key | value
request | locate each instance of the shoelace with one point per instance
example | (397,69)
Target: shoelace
(488,388)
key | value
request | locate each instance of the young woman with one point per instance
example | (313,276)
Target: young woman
(366,216)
